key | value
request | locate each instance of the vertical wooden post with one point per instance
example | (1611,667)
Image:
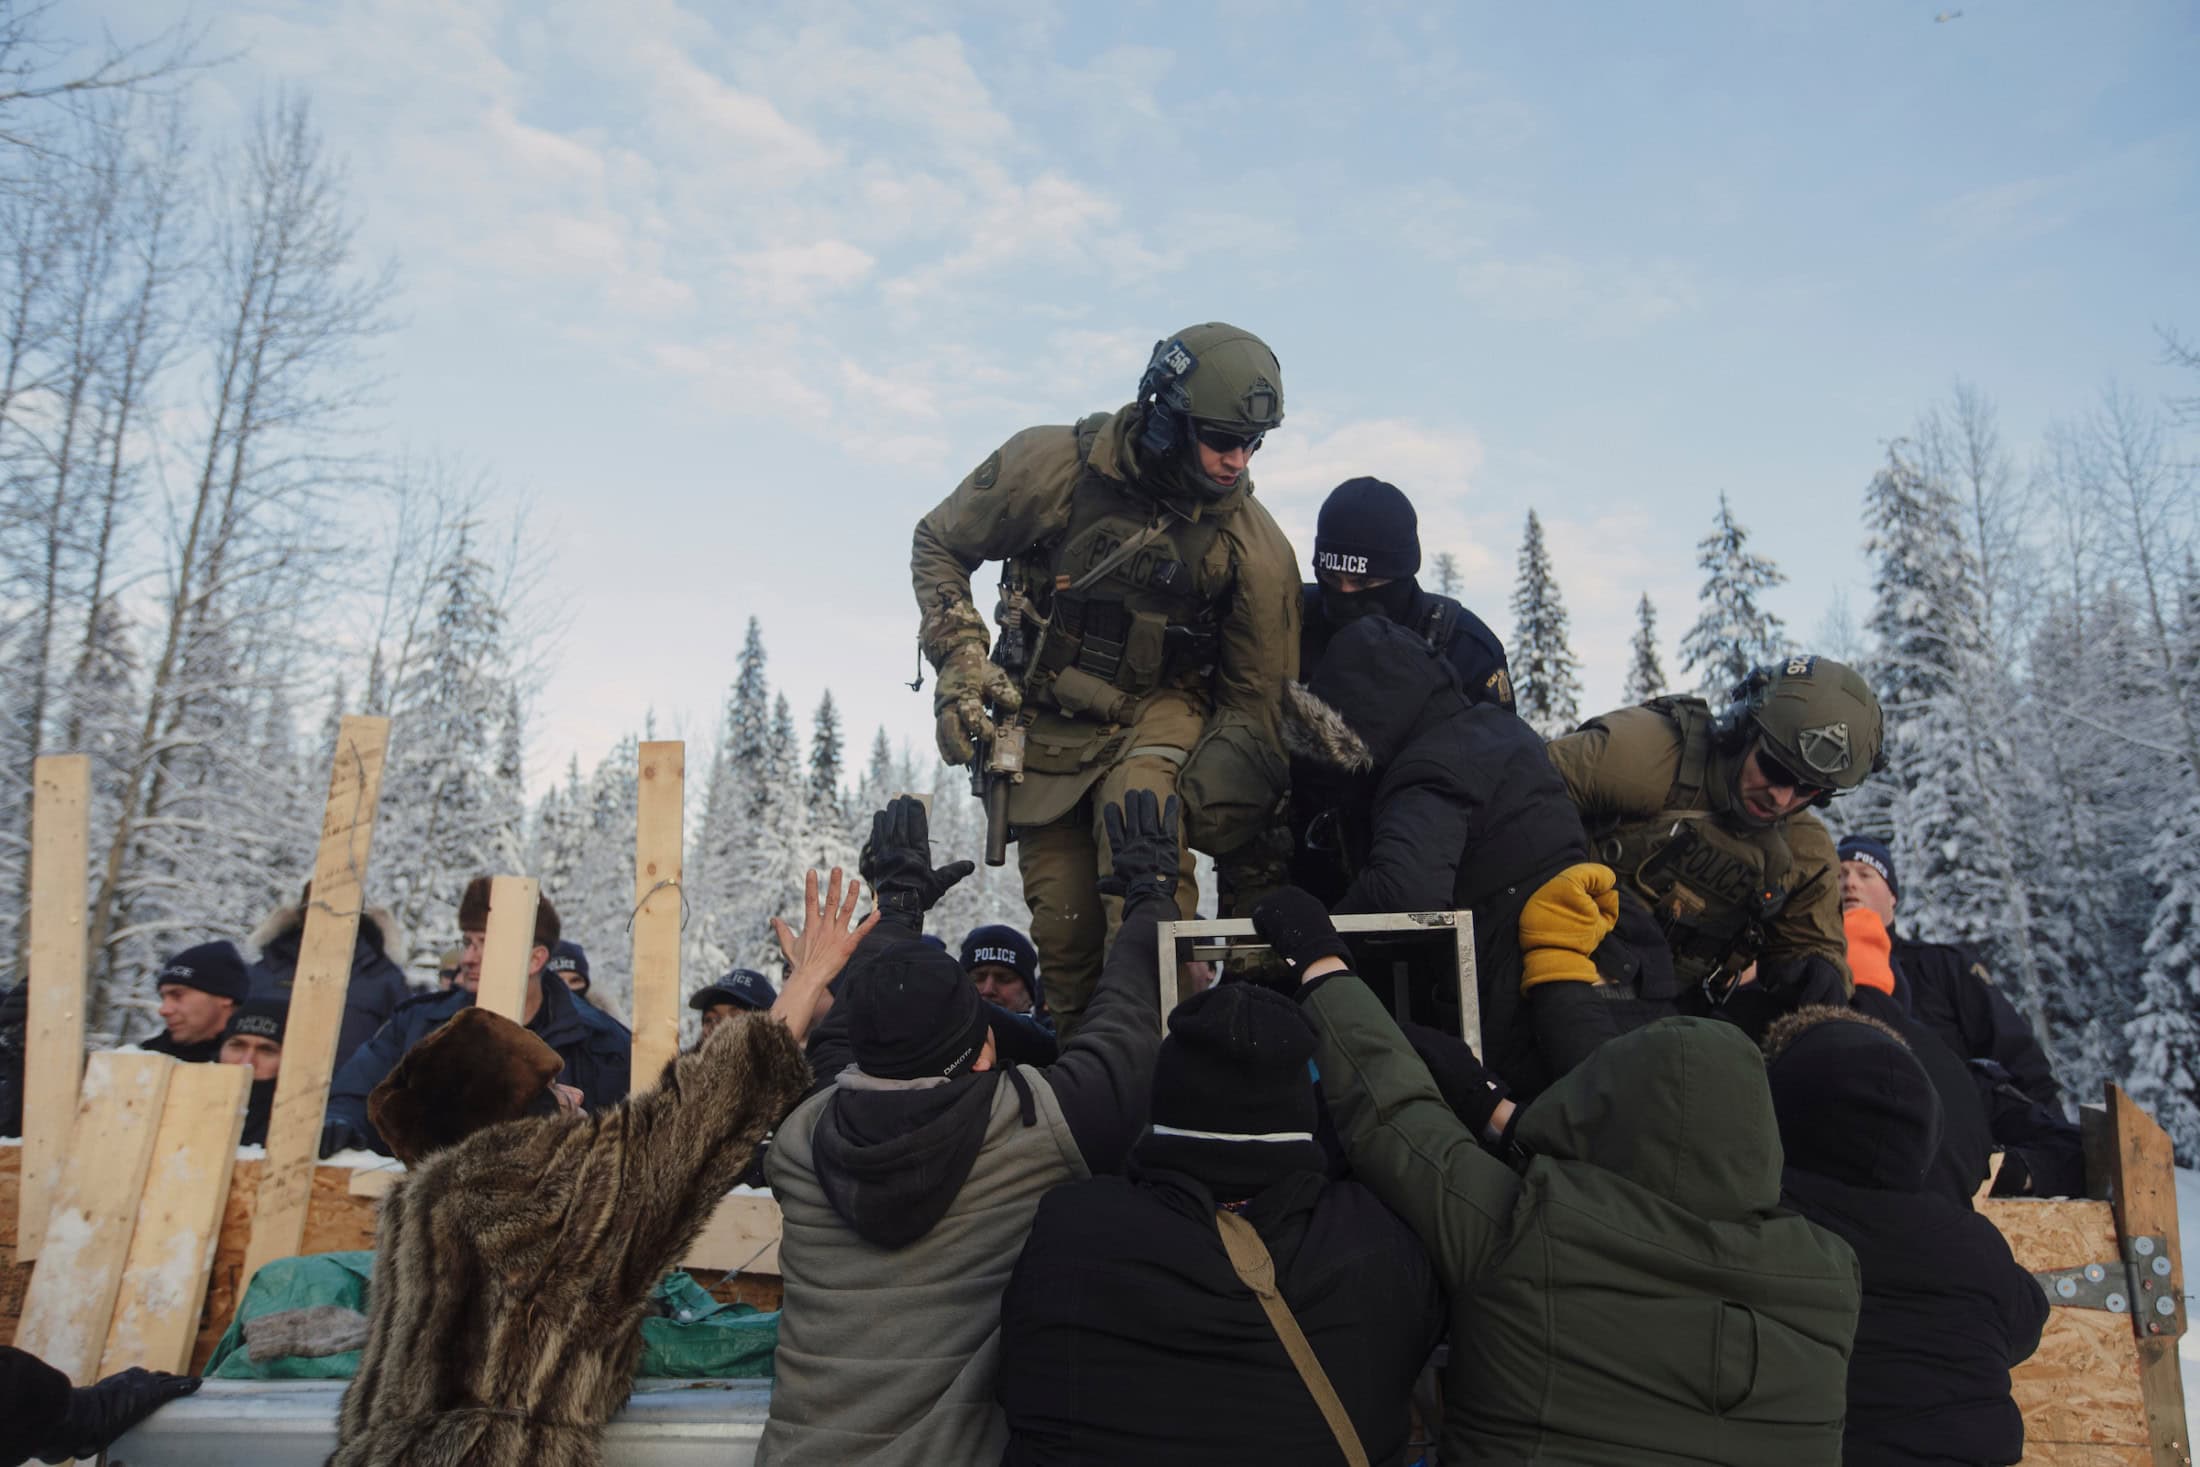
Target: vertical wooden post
(657,855)
(71,1298)
(317,992)
(2145,1201)
(507,946)
(179,1222)
(54,1064)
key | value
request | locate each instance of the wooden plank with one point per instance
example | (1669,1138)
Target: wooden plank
(2081,1387)
(2145,1198)
(179,1220)
(54,1062)
(742,1236)
(508,946)
(95,1207)
(658,843)
(317,992)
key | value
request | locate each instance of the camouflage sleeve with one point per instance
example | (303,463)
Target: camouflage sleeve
(1260,633)
(1810,924)
(1619,765)
(1012,501)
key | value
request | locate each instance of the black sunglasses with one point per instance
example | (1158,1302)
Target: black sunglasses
(1223,441)
(1780,775)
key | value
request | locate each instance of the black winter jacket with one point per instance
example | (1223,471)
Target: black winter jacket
(1961,1161)
(1463,638)
(1950,993)
(377,984)
(1947,1311)
(1461,807)
(204,1052)
(34,1400)
(596,1048)
(1126,1336)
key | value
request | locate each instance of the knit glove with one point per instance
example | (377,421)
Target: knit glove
(1871,950)
(1142,846)
(100,1413)
(968,681)
(1564,921)
(897,861)
(1297,926)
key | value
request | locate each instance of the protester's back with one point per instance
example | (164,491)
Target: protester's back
(1947,1311)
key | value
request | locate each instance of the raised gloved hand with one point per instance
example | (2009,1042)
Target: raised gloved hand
(1297,926)
(968,681)
(1143,851)
(100,1413)
(897,862)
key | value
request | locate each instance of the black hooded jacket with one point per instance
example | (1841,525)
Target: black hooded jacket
(1457,805)
(1463,638)
(1126,1336)
(1947,1311)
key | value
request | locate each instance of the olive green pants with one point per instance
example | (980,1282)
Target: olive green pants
(1062,863)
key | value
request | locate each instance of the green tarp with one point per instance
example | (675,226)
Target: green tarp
(694,1337)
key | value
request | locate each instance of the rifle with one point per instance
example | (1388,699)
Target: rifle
(1000,760)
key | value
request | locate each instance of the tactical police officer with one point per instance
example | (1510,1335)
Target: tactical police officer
(1707,815)
(1149,615)
(1367,552)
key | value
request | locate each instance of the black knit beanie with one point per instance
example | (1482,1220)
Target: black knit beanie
(1854,1104)
(211,967)
(912,1014)
(1235,1065)
(1367,528)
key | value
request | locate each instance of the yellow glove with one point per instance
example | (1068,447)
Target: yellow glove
(1563,923)
(968,681)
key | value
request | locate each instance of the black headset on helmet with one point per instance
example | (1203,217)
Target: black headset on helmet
(1730,726)
(1167,401)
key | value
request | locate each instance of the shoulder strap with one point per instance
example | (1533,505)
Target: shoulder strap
(1257,1271)
(1692,716)
(1441,623)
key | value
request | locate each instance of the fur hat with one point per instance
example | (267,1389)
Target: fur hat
(211,967)
(475,1070)
(473,913)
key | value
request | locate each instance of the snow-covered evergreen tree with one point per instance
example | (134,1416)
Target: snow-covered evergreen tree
(2165,1035)
(1645,673)
(1733,631)
(597,902)
(1446,574)
(1546,684)
(826,795)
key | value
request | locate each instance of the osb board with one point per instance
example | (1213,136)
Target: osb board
(2080,1390)
(335,1221)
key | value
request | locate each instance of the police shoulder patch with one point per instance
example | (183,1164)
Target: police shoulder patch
(988,473)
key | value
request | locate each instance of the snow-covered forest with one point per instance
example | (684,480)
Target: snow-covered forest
(206,556)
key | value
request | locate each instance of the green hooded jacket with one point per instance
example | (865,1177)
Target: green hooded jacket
(1638,1296)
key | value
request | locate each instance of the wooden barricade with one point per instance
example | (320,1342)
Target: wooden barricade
(54,1064)
(657,856)
(508,946)
(317,992)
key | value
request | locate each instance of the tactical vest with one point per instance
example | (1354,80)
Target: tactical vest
(1121,596)
(1714,889)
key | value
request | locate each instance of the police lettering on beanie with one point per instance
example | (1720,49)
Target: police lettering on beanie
(1873,853)
(997,942)
(912,1015)
(211,967)
(260,1018)
(567,957)
(1367,528)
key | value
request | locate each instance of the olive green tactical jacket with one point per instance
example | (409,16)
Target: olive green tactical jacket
(1620,768)
(1019,498)
(1638,1296)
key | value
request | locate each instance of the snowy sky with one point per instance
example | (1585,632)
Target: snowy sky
(731,294)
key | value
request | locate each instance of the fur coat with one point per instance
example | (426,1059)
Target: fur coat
(512,1268)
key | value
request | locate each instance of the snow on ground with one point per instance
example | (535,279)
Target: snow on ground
(2188,1348)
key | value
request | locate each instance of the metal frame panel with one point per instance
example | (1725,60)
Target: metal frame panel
(1208,938)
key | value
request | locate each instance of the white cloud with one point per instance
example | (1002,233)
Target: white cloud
(792,277)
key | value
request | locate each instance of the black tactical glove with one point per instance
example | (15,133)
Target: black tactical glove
(341,1136)
(1297,926)
(897,861)
(99,1413)
(1142,846)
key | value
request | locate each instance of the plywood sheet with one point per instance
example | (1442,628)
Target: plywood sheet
(179,1224)
(53,1063)
(742,1236)
(2081,1387)
(95,1205)
(508,946)
(657,846)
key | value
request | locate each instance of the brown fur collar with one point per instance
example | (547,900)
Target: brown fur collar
(1318,733)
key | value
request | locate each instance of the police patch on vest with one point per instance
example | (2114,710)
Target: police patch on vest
(1343,565)
(1825,748)
(988,473)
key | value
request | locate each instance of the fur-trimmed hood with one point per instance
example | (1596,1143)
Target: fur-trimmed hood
(286,925)
(1371,693)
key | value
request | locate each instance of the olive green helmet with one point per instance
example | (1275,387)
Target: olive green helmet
(1817,716)
(1211,374)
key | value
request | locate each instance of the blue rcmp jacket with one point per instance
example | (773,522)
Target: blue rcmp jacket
(596,1048)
